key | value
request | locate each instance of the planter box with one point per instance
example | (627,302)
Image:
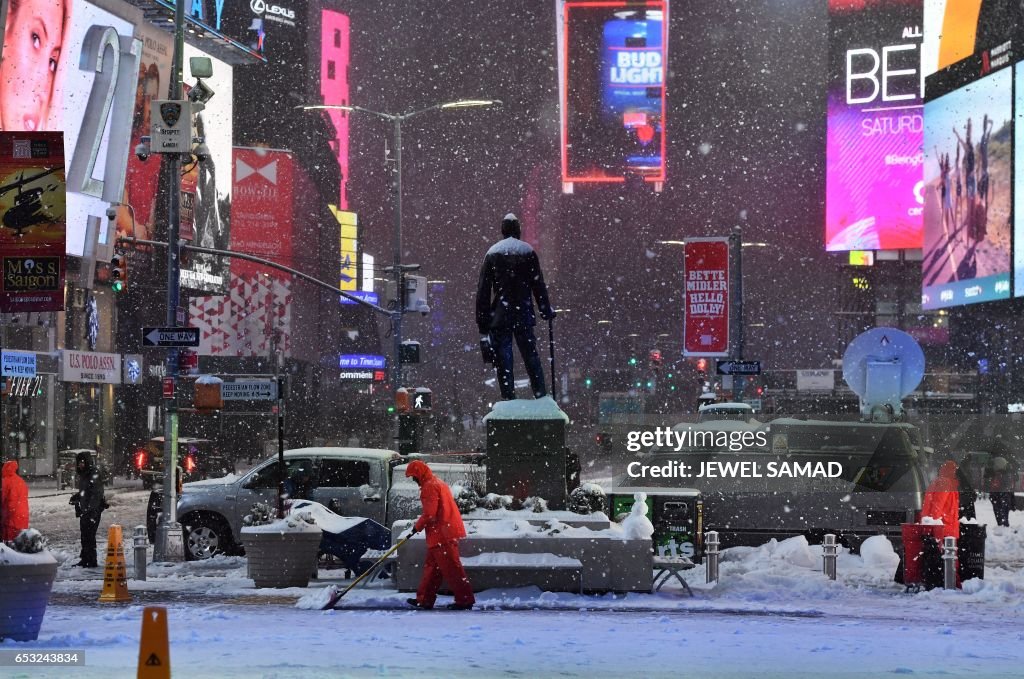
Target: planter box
(24,593)
(281,559)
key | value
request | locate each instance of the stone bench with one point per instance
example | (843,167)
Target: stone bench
(549,572)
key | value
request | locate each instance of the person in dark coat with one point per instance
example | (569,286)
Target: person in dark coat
(999,481)
(510,279)
(13,502)
(968,495)
(443,523)
(89,505)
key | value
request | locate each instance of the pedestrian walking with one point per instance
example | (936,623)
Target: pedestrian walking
(89,504)
(443,525)
(999,482)
(13,502)
(510,280)
(968,495)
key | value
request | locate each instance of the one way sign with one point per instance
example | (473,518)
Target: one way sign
(730,367)
(170,337)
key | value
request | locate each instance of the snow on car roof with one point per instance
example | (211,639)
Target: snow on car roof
(337,451)
(745,407)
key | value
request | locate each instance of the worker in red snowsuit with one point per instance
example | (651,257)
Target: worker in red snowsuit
(14,504)
(942,500)
(443,523)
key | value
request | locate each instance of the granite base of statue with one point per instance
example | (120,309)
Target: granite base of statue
(526,452)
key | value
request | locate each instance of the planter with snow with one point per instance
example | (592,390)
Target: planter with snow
(25,584)
(282,553)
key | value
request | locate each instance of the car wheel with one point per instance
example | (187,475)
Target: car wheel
(206,537)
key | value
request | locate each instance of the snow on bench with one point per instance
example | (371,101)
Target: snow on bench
(514,560)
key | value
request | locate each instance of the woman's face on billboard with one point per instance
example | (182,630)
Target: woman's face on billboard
(33,37)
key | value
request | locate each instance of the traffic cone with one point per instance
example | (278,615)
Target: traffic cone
(115,575)
(154,649)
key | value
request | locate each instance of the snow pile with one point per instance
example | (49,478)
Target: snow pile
(795,551)
(930,521)
(877,552)
(495,501)
(10,557)
(315,599)
(587,498)
(29,541)
(510,559)
(209,379)
(527,409)
(536,505)
(637,526)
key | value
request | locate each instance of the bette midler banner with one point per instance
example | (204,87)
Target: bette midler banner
(706,295)
(33,229)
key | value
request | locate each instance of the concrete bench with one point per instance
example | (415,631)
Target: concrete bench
(549,572)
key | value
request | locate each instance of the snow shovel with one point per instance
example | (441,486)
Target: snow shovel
(336,597)
(551,348)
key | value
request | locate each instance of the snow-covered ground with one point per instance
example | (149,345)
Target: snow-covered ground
(773,614)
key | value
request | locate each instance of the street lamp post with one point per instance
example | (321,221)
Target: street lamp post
(169,544)
(397,267)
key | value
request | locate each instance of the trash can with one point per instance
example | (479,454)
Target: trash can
(913,550)
(971,551)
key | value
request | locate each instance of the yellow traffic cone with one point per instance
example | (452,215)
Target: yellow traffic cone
(115,576)
(154,649)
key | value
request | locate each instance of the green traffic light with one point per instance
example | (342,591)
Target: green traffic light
(672,387)
(391,409)
(118,286)
(670,375)
(588,382)
(650,384)
(632,361)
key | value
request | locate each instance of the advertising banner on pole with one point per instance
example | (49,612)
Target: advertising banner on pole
(706,296)
(33,221)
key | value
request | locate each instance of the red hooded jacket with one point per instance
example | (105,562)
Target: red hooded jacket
(440,516)
(942,500)
(14,505)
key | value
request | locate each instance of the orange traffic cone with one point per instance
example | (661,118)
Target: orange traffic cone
(154,649)
(115,576)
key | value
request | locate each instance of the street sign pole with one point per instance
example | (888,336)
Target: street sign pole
(736,305)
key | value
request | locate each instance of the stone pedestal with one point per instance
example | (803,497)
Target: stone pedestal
(526,453)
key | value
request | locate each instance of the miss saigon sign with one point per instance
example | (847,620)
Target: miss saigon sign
(88,366)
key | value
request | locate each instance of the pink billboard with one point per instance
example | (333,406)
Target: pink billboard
(334,57)
(875,126)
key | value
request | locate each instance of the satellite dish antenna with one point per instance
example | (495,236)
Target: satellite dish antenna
(882,366)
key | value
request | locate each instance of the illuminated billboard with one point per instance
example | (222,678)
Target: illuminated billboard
(706,297)
(210,180)
(77,75)
(1018,189)
(958,29)
(334,86)
(612,61)
(875,126)
(968,132)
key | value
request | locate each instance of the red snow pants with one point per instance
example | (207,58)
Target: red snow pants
(443,563)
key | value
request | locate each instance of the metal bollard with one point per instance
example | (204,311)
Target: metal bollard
(949,563)
(141,544)
(830,555)
(711,552)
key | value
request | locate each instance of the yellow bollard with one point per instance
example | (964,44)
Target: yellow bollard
(115,574)
(154,649)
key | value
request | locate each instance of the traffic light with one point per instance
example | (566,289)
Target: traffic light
(632,360)
(119,272)
(588,383)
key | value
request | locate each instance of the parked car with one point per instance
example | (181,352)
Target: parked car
(881,484)
(66,473)
(350,481)
(198,458)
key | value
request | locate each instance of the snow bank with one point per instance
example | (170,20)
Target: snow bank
(877,552)
(531,560)
(9,557)
(316,599)
(527,409)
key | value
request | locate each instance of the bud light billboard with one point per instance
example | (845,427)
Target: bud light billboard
(612,61)
(874,197)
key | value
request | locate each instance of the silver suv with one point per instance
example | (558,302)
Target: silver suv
(350,481)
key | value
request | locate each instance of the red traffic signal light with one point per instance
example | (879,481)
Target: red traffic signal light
(702,364)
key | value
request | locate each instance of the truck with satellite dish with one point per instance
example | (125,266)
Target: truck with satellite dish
(803,475)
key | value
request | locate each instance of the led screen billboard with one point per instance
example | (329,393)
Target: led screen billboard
(1018,189)
(875,126)
(968,132)
(706,297)
(612,59)
(75,72)
(958,29)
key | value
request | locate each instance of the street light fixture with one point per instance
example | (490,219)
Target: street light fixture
(397,268)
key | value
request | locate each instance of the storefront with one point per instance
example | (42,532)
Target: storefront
(88,379)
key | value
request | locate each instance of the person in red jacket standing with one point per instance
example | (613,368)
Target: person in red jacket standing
(14,504)
(942,500)
(443,524)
